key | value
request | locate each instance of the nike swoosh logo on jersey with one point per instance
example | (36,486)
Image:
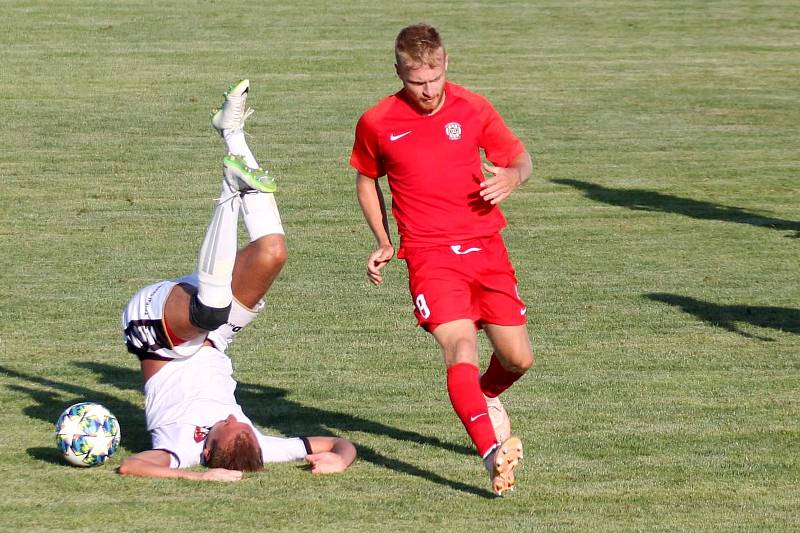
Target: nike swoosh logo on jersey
(474,418)
(393,137)
(457,250)
(523,311)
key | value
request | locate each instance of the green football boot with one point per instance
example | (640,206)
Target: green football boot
(240,177)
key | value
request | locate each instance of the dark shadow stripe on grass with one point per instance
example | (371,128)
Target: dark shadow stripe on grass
(644,200)
(726,316)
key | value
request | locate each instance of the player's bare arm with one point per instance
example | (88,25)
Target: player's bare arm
(504,180)
(330,454)
(155,463)
(374,209)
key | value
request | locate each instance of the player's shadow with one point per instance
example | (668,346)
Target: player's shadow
(268,407)
(644,200)
(727,316)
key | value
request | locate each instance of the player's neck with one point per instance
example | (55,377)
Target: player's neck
(441,104)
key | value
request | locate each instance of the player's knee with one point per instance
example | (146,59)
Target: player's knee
(271,252)
(528,362)
(205,317)
(522,363)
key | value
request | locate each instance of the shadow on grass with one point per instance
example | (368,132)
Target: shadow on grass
(726,316)
(47,455)
(644,200)
(50,403)
(268,407)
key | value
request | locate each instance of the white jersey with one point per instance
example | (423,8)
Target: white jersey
(188,396)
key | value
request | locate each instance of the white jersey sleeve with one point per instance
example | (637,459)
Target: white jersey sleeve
(281,450)
(181,441)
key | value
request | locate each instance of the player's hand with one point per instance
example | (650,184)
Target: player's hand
(500,184)
(377,260)
(221,474)
(326,463)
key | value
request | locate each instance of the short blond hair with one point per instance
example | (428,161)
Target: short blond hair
(417,45)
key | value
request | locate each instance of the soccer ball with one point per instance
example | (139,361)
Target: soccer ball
(87,434)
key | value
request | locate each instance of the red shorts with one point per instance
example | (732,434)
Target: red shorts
(469,280)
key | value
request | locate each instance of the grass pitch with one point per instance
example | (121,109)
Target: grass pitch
(656,244)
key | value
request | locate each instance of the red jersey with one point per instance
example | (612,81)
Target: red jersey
(433,163)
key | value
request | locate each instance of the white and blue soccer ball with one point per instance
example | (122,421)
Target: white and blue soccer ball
(87,434)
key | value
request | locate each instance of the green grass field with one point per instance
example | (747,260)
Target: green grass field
(657,246)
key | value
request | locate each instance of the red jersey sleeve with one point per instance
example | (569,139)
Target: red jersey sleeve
(498,142)
(365,157)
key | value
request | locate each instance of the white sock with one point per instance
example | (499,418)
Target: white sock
(260,215)
(259,210)
(236,144)
(218,253)
(239,317)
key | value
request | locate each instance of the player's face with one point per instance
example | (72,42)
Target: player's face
(423,83)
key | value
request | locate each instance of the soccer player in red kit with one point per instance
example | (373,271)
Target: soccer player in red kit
(427,138)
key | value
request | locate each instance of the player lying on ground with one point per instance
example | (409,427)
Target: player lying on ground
(427,139)
(180,330)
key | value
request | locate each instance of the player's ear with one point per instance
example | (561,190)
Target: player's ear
(206,453)
(446,59)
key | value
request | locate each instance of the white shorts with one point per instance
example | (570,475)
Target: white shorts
(143,326)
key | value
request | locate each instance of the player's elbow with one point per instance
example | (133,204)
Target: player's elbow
(346,450)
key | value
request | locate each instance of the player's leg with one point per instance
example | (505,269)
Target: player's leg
(259,263)
(442,297)
(458,340)
(503,316)
(512,357)
(510,360)
(171,320)
(257,267)
(188,312)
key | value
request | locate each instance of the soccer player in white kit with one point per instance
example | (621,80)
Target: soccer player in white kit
(180,330)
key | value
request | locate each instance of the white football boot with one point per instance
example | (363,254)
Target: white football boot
(499,417)
(501,463)
(233,112)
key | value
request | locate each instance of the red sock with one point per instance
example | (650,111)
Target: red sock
(464,389)
(496,379)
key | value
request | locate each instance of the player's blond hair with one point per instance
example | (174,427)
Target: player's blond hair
(417,45)
(242,454)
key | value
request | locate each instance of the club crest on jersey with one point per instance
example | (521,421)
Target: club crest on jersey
(200,433)
(453,131)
